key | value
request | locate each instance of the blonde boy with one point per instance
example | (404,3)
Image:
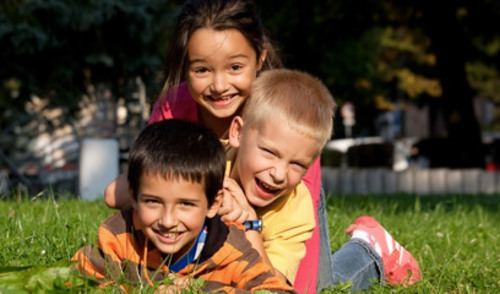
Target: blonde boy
(282,130)
(176,169)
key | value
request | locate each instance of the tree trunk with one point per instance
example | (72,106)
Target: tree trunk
(449,43)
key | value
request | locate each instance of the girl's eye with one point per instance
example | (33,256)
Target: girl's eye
(236,67)
(200,70)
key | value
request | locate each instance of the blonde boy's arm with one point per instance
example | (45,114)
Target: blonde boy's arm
(255,239)
(235,208)
(287,226)
(116,193)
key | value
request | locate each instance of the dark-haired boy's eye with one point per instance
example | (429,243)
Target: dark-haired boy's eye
(187,203)
(150,201)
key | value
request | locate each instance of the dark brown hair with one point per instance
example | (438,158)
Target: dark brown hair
(177,149)
(218,15)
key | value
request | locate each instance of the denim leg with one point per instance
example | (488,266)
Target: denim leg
(325,277)
(357,261)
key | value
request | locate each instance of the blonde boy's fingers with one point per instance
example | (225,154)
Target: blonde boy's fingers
(233,215)
(243,217)
(227,202)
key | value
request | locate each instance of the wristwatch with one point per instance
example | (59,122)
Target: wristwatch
(253,225)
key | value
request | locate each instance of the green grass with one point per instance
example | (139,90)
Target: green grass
(456,239)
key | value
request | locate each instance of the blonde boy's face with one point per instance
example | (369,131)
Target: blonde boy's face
(172,212)
(271,159)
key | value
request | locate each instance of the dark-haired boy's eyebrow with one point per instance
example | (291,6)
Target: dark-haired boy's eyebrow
(190,199)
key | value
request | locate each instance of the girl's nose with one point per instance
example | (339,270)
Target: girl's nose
(219,83)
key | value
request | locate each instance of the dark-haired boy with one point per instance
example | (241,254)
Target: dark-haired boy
(176,171)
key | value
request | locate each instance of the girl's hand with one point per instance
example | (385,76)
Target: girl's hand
(235,206)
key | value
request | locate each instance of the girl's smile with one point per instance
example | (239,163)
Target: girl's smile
(221,69)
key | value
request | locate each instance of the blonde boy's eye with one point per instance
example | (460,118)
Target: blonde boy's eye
(267,151)
(300,165)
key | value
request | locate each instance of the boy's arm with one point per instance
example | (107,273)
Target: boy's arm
(113,251)
(239,268)
(116,193)
(283,246)
(102,264)
(287,226)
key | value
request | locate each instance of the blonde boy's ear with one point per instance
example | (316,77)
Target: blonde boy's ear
(235,130)
(212,210)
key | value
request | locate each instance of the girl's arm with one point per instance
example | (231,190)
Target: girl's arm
(116,193)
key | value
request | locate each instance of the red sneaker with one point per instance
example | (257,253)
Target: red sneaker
(397,260)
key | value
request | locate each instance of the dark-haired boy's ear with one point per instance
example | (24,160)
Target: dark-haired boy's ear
(212,210)
(133,201)
(235,130)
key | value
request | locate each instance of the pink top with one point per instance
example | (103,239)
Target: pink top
(185,107)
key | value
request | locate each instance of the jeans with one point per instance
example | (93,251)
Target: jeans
(356,261)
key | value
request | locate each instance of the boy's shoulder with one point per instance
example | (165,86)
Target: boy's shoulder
(119,223)
(299,197)
(227,243)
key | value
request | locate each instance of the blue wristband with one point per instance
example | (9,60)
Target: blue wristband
(253,225)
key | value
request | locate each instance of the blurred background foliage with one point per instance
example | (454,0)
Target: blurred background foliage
(372,53)
(56,48)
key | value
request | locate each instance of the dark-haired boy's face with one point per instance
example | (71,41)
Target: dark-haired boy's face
(172,212)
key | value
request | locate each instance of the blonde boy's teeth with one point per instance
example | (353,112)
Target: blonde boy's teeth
(267,187)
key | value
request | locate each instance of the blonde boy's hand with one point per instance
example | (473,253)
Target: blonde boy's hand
(235,206)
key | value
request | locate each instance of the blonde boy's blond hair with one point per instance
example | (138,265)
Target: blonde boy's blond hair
(294,98)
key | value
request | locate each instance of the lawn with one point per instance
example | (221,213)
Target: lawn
(454,238)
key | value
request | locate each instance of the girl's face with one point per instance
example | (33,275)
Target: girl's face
(221,68)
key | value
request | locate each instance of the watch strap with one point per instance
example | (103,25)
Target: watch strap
(253,225)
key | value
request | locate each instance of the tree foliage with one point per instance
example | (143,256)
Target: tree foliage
(56,48)
(441,53)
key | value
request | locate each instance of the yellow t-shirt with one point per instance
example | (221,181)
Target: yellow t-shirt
(287,224)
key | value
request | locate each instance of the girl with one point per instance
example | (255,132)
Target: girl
(217,51)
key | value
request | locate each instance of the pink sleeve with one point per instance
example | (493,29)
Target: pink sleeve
(312,180)
(307,275)
(161,111)
(182,107)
